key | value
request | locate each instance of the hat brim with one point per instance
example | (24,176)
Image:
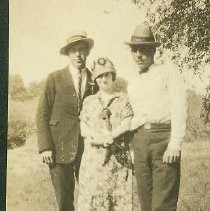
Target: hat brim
(101,71)
(89,41)
(157,44)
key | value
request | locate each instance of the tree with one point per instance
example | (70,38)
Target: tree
(34,89)
(205,112)
(182,26)
(17,90)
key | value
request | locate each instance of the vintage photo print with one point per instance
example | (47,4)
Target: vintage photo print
(108,105)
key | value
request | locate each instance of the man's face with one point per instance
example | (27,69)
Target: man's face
(143,56)
(78,53)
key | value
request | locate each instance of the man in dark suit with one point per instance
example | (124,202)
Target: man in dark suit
(58,129)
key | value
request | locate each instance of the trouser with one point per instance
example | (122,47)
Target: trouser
(64,183)
(63,178)
(157,182)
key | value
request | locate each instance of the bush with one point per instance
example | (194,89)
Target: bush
(20,123)
(17,90)
(18,131)
(197,128)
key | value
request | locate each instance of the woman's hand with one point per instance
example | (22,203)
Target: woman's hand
(107,138)
(104,138)
(107,141)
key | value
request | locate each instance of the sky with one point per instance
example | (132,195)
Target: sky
(38,29)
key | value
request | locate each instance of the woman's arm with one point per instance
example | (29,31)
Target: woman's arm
(85,130)
(97,137)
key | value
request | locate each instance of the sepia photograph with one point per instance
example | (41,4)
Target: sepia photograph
(108,105)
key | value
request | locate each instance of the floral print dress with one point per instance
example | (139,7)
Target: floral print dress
(105,180)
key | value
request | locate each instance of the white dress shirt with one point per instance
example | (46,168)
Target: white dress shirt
(74,72)
(159,96)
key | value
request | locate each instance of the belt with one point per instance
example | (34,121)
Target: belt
(149,126)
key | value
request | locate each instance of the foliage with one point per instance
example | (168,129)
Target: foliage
(18,131)
(205,112)
(182,26)
(21,122)
(197,129)
(17,90)
(34,89)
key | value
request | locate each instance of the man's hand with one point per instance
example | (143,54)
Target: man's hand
(47,157)
(171,156)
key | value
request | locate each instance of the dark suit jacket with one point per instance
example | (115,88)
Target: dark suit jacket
(57,116)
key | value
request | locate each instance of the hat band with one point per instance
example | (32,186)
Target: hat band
(142,39)
(75,38)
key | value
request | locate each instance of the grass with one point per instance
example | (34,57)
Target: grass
(195,174)
(28,180)
(29,185)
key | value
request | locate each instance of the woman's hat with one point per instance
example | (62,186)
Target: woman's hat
(77,36)
(143,36)
(101,66)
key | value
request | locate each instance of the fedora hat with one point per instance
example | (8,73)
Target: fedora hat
(143,36)
(76,36)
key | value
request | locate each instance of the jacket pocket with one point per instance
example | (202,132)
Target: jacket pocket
(53,122)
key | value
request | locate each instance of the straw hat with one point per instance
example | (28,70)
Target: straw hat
(76,36)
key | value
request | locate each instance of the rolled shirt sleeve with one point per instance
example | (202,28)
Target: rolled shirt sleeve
(178,99)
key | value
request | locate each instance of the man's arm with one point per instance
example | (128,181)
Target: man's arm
(122,128)
(178,100)
(44,111)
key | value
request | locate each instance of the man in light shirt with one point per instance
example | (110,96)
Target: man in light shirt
(59,140)
(158,99)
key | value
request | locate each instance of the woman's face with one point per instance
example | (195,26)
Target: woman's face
(105,81)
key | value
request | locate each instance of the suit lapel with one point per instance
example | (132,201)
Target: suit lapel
(89,84)
(68,78)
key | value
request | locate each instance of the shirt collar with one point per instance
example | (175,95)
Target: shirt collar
(74,70)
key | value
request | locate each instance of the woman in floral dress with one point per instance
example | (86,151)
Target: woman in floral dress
(105,180)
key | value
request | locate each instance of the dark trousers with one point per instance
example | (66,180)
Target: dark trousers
(64,183)
(157,182)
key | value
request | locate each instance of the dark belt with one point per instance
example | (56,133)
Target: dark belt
(150,126)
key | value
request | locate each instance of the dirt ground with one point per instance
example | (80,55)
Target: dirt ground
(29,185)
